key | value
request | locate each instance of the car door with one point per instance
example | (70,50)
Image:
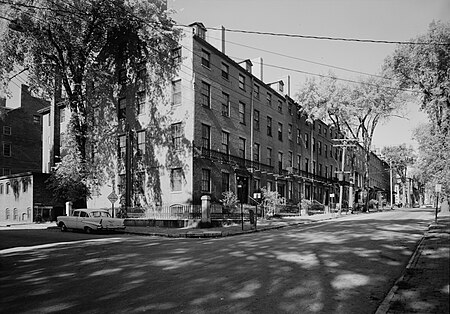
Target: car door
(81,220)
(71,221)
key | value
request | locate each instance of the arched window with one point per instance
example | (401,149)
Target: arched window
(15,214)
(8,214)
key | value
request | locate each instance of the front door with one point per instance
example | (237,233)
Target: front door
(242,189)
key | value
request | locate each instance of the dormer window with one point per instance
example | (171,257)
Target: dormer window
(199,30)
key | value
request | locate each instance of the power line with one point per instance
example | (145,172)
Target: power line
(373,41)
(301,59)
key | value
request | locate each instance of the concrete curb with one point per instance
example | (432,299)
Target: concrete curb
(385,305)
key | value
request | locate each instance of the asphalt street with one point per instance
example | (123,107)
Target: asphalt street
(339,266)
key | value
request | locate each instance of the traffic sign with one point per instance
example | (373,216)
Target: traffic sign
(438,188)
(113,197)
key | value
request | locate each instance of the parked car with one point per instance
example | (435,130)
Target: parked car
(90,220)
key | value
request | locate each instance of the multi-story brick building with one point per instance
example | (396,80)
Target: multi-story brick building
(20,135)
(219,128)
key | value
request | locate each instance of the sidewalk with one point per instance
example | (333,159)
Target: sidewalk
(224,231)
(424,285)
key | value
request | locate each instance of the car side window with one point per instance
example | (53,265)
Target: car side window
(95,214)
(84,214)
(76,213)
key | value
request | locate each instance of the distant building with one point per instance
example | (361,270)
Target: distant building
(21,135)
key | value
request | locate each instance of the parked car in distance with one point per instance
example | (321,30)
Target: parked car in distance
(90,220)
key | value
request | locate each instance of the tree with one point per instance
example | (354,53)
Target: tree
(354,109)
(400,157)
(425,67)
(433,161)
(270,201)
(82,45)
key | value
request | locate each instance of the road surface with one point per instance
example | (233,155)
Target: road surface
(340,266)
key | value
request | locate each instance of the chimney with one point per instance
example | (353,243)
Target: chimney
(258,68)
(199,29)
(223,39)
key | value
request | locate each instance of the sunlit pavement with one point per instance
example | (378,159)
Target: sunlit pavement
(424,286)
(338,266)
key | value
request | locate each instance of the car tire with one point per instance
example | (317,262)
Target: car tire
(63,227)
(88,230)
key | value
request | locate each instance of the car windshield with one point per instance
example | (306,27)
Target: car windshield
(99,214)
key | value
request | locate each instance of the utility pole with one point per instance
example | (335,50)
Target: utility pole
(390,182)
(344,143)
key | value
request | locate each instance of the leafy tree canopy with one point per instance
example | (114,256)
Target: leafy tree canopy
(399,157)
(81,45)
(425,67)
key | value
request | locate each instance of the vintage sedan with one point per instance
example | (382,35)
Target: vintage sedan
(90,220)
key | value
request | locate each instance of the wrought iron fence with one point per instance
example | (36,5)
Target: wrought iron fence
(166,212)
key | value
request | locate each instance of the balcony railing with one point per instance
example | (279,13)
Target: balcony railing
(239,162)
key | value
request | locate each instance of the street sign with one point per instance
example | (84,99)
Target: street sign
(332,195)
(257,195)
(438,188)
(113,197)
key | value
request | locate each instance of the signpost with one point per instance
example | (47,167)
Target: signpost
(113,198)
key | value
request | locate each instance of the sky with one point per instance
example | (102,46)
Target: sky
(391,20)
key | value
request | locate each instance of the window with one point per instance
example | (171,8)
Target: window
(319,146)
(36,119)
(7,130)
(269,99)
(331,171)
(280,161)
(326,172)
(1,188)
(326,150)
(177,135)
(289,190)
(241,112)
(225,181)
(313,144)
(320,169)
(269,126)
(141,77)
(122,146)
(280,106)
(225,105)
(176,55)
(256,91)
(206,95)
(299,162)
(306,140)
(206,180)
(314,167)
(122,108)
(7,187)
(299,139)
(241,147)
(269,156)
(306,164)
(256,148)
(290,109)
(206,56)
(176,92)
(280,131)
(256,120)
(225,142)
(140,101)
(290,132)
(225,71)
(176,178)
(7,149)
(290,159)
(8,214)
(320,129)
(6,171)
(62,115)
(122,76)
(206,136)
(141,142)
(241,81)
